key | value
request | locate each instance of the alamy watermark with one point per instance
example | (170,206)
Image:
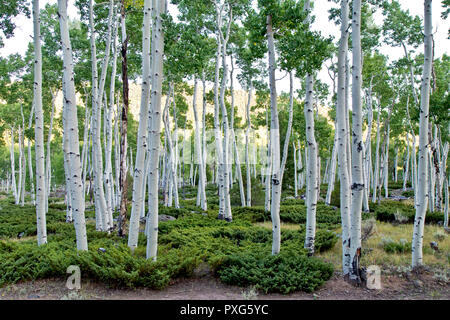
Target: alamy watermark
(74,280)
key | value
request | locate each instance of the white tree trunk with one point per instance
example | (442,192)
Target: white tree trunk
(155,129)
(357,147)
(138,199)
(71,129)
(39,130)
(311,168)
(345,195)
(275,144)
(422,192)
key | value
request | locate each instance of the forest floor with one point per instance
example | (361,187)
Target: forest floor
(205,287)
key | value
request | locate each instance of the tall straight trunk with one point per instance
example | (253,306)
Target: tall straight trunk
(377,156)
(311,168)
(225,124)
(275,144)
(247,158)
(108,171)
(48,175)
(30,162)
(269,165)
(175,155)
(23,162)
(217,131)
(386,158)
(19,182)
(406,172)
(155,128)
(332,170)
(203,128)
(289,128)
(97,94)
(139,175)
(13,166)
(344,175)
(201,196)
(422,192)
(39,130)
(233,141)
(71,129)
(294,153)
(122,219)
(357,147)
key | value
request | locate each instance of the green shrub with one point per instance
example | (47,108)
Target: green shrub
(280,273)
(409,193)
(391,246)
(387,210)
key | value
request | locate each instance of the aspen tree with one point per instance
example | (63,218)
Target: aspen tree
(139,176)
(155,128)
(39,130)
(345,196)
(71,129)
(422,192)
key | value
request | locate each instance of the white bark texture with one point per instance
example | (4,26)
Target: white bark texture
(155,129)
(422,192)
(39,130)
(275,144)
(345,196)
(71,129)
(138,199)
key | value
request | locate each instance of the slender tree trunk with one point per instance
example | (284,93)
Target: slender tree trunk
(422,192)
(71,129)
(345,196)
(311,169)
(357,148)
(155,129)
(13,166)
(138,200)
(275,144)
(39,130)
(30,162)
(122,219)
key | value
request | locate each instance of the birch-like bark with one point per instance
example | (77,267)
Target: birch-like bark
(39,130)
(377,156)
(275,143)
(23,162)
(139,176)
(48,175)
(225,122)
(311,168)
(422,192)
(30,163)
(289,128)
(247,158)
(345,196)
(97,94)
(406,172)
(233,141)
(332,170)
(217,130)
(71,129)
(13,166)
(201,195)
(155,128)
(122,219)
(19,182)
(357,147)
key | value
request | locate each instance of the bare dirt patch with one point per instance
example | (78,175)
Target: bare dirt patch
(394,287)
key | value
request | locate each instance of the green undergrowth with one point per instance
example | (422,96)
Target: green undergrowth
(401,212)
(194,238)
